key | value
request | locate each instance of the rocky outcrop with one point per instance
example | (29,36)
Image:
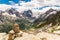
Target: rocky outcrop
(27,13)
(15,32)
(12,11)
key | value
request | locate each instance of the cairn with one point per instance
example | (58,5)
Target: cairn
(15,32)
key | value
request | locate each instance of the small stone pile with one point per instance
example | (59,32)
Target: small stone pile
(15,32)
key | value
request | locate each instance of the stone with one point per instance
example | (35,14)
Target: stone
(16,28)
(15,32)
(11,35)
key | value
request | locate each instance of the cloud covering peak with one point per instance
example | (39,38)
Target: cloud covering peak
(28,4)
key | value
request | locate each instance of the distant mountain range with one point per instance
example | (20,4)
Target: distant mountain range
(13,14)
(48,13)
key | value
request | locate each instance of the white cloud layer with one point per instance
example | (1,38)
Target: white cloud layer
(38,3)
(30,5)
(4,7)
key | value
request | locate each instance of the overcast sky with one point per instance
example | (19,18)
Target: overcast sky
(27,4)
(50,2)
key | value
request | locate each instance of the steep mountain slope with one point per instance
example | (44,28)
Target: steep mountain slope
(26,19)
(48,17)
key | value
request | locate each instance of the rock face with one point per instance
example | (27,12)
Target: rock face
(27,13)
(46,16)
(12,11)
(0,15)
(48,13)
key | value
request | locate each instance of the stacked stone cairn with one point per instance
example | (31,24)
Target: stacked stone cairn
(15,32)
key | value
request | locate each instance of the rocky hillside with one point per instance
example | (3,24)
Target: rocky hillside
(26,19)
(51,16)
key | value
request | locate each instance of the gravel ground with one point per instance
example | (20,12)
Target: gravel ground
(38,36)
